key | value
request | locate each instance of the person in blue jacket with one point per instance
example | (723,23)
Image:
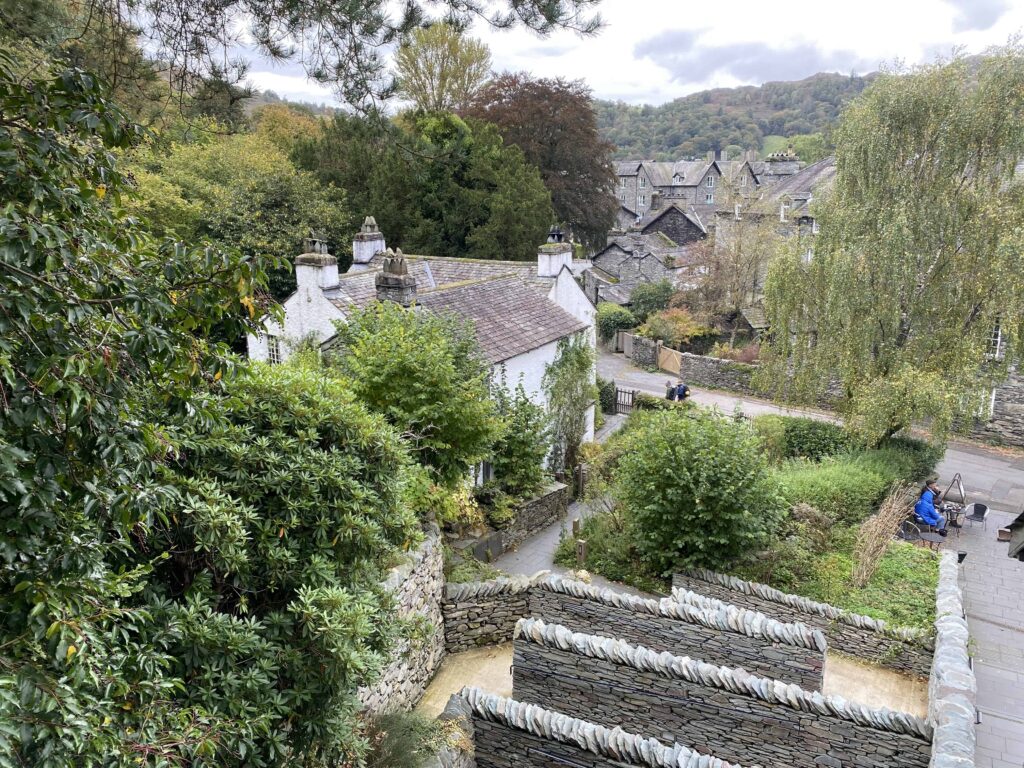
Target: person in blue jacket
(925,510)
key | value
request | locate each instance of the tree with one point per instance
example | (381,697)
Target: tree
(269,557)
(101,339)
(285,126)
(648,298)
(553,122)
(241,191)
(568,383)
(612,318)
(694,489)
(425,374)
(674,326)
(917,267)
(341,44)
(440,69)
(435,183)
(477,197)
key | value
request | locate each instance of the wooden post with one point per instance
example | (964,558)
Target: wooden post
(575,527)
(581,551)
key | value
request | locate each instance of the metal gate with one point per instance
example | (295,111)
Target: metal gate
(624,400)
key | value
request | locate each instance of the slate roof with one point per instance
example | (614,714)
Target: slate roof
(650,218)
(755,317)
(627,168)
(510,316)
(804,184)
(658,244)
(356,290)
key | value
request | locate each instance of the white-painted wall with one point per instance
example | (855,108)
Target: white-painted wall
(307,312)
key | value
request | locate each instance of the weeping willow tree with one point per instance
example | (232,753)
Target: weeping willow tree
(913,299)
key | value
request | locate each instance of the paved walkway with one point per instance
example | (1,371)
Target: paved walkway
(993,583)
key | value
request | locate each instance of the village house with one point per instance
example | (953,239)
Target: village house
(519,310)
(633,258)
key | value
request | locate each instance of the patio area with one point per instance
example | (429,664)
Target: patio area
(993,586)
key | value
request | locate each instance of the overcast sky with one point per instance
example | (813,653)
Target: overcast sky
(653,51)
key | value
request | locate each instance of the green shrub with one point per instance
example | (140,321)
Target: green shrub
(840,487)
(921,457)
(498,507)
(813,439)
(606,394)
(611,552)
(612,318)
(648,298)
(696,491)
(519,453)
(675,327)
(771,430)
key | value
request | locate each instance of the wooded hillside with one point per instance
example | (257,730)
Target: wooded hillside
(716,119)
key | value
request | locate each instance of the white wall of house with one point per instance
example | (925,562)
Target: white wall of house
(307,313)
(529,368)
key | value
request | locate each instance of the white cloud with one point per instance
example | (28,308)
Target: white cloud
(652,51)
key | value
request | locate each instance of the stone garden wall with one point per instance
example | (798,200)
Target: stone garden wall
(418,586)
(723,635)
(645,353)
(1006,425)
(898,648)
(485,612)
(715,373)
(951,687)
(535,514)
(512,734)
(715,710)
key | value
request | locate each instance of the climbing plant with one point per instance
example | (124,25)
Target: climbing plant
(569,385)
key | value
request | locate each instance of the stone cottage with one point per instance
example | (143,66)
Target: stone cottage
(519,310)
(633,258)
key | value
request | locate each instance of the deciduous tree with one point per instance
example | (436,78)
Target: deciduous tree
(918,262)
(439,68)
(571,391)
(425,373)
(553,122)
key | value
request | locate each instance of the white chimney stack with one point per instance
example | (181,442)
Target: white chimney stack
(316,268)
(368,242)
(553,255)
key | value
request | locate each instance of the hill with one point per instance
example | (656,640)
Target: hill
(742,117)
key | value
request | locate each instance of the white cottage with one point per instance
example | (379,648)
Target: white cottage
(520,310)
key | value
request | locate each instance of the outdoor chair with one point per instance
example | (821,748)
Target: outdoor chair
(977,513)
(911,533)
(955,519)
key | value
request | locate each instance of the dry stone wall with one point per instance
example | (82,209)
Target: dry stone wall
(898,648)
(418,586)
(1006,424)
(952,689)
(512,734)
(485,612)
(716,710)
(715,373)
(723,635)
(535,514)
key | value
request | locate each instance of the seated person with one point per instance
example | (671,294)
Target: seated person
(925,510)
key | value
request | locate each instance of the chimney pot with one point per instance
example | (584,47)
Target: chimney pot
(393,282)
(368,242)
(316,268)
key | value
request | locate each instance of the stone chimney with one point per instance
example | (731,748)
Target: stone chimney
(718,154)
(394,283)
(368,243)
(553,255)
(711,155)
(316,268)
(751,155)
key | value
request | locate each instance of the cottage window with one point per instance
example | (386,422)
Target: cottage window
(643,199)
(709,198)
(643,182)
(273,350)
(783,210)
(622,181)
(814,227)
(711,181)
(996,347)
(743,180)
